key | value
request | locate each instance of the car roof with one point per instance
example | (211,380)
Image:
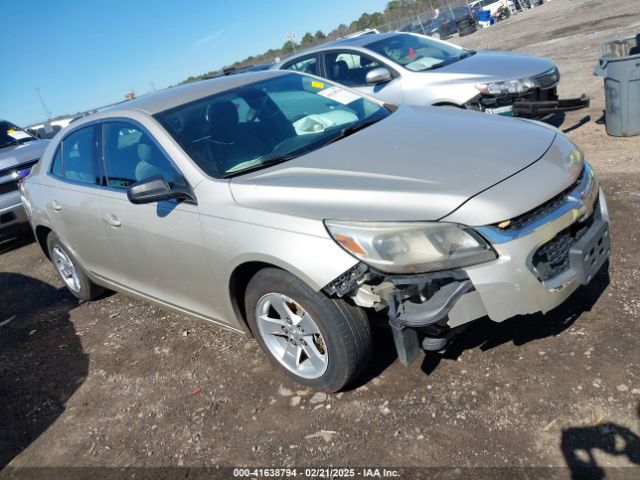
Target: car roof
(176,96)
(361,41)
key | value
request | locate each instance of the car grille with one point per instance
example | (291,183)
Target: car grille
(10,184)
(548,79)
(8,187)
(541,211)
(552,258)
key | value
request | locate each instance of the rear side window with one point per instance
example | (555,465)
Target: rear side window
(306,65)
(131,155)
(56,165)
(75,159)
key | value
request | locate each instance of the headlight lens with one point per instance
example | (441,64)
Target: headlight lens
(396,247)
(508,87)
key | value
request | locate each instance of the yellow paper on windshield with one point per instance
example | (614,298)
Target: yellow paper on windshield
(316,84)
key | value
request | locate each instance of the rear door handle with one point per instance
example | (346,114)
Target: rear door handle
(56,206)
(112,220)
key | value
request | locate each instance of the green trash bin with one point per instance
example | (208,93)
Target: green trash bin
(620,68)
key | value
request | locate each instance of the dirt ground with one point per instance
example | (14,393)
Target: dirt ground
(120,383)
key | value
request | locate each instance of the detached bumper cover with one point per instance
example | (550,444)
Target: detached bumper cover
(514,284)
(538,108)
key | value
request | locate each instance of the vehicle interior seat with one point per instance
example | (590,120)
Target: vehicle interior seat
(78,165)
(230,141)
(310,68)
(340,71)
(149,160)
(360,74)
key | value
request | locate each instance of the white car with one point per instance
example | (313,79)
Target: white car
(491,6)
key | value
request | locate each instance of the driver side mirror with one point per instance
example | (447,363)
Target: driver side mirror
(156,189)
(378,75)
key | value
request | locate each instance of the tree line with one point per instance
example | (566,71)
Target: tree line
(394,11)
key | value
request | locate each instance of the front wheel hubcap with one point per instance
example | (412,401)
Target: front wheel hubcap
(66,269)
(291,335)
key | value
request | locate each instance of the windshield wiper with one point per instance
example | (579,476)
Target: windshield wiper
(351,129)
(267,162)
(270,161)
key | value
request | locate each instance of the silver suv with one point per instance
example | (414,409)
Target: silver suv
(19,152)
(286,207)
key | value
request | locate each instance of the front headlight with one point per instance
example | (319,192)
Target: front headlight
(413,247)
(508,87)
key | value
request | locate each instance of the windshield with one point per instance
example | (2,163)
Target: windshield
(266,122)
(418,53)
(12,135)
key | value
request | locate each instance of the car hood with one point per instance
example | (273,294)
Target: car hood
(25,152)
(420,163)
(497,66)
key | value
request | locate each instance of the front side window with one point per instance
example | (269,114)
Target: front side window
(306,65)
(350,68)
(418,53)
(130,155)
(287,116)
(79,157)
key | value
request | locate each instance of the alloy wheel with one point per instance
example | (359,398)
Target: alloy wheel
(291,335)
(66,268)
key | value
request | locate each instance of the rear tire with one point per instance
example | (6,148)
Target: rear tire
(71,272)
(317,341)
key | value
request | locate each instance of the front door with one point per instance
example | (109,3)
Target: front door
(350,68)
(157,248)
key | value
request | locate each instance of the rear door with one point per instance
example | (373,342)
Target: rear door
(71,199)
(156,248)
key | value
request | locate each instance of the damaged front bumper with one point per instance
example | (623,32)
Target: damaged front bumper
(536,104)
(541,108)
(543,257)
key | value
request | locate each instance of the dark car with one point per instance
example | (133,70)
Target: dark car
(445,24)
(459,20)
(439,27)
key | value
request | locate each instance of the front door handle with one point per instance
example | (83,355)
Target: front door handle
(56,206)
(112,220)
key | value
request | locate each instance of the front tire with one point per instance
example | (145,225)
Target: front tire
(70,271)
(317,341)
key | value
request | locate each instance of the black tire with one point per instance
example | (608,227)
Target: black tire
(87,289)
(464,33)
(344,328)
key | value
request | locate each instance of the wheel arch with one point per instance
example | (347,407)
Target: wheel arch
(42,232)
(447,104)
(243,272)
(238,282)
